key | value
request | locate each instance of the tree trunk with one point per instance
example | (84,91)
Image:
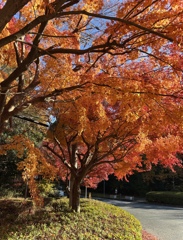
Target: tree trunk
(74,197)
(71,182)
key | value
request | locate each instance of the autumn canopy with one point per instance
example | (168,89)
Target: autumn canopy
(109,72)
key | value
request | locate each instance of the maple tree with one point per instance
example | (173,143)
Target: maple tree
(91,133)
(119,61)
(8,163)
(38,62)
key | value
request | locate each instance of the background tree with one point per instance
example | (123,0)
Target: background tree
(162,179)
(11,177)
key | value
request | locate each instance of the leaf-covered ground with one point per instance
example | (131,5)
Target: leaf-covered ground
(97,221)
(148,236)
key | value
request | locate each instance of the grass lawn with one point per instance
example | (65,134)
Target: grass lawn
(97,221)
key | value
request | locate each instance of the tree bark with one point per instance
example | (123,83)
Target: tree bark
(74,197)
(71,190)
(9,10)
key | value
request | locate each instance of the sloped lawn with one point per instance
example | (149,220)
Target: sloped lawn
(97,221)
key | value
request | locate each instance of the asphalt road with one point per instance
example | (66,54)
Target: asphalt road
(164,222)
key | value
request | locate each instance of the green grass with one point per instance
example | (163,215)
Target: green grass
(97,221)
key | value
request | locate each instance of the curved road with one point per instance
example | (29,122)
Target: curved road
(164,222)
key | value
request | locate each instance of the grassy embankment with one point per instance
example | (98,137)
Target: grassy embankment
(97,221)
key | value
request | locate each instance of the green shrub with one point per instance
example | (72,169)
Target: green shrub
(46,188)
(173,198)
(9,193)
(97,221)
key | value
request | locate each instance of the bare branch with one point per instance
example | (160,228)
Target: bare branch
(93,64)
(127,22)
(52,36)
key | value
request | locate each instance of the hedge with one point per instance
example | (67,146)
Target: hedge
(173,198)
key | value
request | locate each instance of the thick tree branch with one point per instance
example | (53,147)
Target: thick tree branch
(18,59)
(58,6)
(57,155)
(127,22)
(26,29)
(171,95)
(10,8)
(32,120)
(45,18)
(57,92)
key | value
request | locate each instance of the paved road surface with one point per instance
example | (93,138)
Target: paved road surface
(165,222)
